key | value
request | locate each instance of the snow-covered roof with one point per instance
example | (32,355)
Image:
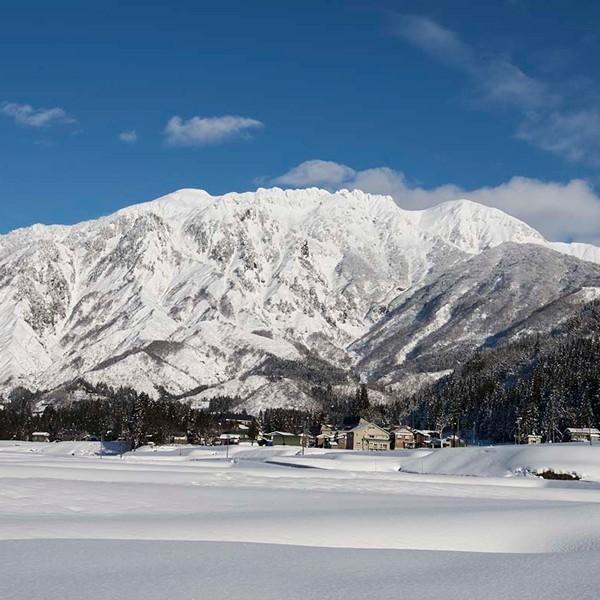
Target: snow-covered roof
(584,430)
(364,423)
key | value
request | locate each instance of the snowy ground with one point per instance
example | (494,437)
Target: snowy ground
(268,523)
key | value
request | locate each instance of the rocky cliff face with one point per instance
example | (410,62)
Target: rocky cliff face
(192,291)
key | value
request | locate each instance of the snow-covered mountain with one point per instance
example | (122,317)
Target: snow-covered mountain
(232,293)
(501,293)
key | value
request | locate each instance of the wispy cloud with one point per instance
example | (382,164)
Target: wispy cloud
(498,79)
(200,131)
(561,211)
(575,135)
(28,116)
(129,136)
(439,42)
(546,117)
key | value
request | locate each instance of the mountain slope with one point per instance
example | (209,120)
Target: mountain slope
(503,292)
(548,381)
(192,291)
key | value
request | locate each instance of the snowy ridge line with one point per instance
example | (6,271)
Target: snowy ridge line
(461,222)
(193,290)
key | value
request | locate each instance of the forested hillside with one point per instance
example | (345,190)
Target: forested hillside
(541,383)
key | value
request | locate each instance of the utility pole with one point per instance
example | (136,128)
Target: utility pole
(304,437)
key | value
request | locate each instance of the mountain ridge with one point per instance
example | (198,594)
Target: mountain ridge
(214,284)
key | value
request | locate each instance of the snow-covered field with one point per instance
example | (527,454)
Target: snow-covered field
(266,523)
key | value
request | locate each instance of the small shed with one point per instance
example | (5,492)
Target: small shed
(180,440)
(40,436)
(284,438)
(534,438)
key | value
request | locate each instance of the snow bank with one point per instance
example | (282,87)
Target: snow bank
(489,461)
(509,461)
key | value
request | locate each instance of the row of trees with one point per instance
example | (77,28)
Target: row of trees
(121,413)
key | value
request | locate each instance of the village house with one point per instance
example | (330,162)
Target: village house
(71,435)
(534,438)
(336,440)
(581,434)
(241,431)
(229,439)
(402,437)
(326,437)
(427,438)
(233,421)
(367,436)
(453,441)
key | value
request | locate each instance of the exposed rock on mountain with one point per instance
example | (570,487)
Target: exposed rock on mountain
(239,292)
(504,292)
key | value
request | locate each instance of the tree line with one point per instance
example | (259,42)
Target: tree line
(121,413)
(125,414)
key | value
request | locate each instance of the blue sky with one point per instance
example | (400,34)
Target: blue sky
(107,104)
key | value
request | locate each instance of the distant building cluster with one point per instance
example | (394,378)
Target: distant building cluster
(361,435)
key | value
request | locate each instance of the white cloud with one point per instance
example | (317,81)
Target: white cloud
(28,116)
(129,136)
(560,211)
(316,172)
(199,131)
(545,119)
